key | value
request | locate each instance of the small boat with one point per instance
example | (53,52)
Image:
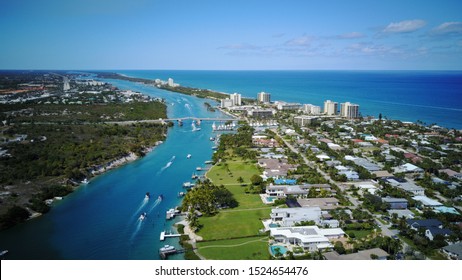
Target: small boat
(148,195)
(167,249)
(199,168)
(212,139)
(143,216)
(188,156)
(160,197)
(181,194)
(187,185)
(209,162)
(85,181)
(194,176)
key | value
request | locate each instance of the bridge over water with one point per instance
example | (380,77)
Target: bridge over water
(195,119)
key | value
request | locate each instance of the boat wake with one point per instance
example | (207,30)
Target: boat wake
(187,106)
(139,224)
(167,165)
(142,204)
(157,202)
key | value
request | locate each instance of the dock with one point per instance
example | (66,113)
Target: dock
(164,235)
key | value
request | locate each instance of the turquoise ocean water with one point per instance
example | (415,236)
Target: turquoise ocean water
(100,220)
(429,96)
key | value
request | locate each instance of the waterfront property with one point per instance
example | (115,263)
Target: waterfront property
(310,238)
(295,190)
(288,217)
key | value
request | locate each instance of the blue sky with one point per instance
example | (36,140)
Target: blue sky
(231,35)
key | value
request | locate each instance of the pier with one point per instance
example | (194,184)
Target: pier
(164,235)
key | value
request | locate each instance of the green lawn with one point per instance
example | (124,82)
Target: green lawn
(229,224)
(228,172)
(250,248)
(359,233)
(246,200)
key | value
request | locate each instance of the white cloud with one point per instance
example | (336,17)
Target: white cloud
(351,35)
(448,28)
(405,26)
(303,41)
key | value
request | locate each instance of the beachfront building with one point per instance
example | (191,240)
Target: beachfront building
(236,98)
(310,238)
(284,106)
(226,103)
(171,83)
(311,109)
(261,113)
(305,120)
(349,110)
(330,108)
(288,217)
(263,97)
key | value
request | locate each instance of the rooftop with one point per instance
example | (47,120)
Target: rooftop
(361,255)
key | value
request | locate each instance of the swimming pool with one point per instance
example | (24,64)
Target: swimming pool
(274,249)
(271,198)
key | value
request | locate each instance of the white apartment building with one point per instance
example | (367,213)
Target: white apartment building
(312,109)
(304,120)
(236,98)
(263,97)
(330,108)
(349,110)
(226,103)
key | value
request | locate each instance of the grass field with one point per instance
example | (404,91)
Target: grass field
(230,224)
(250,248)
(246,200)
(228,172)
(359,233)
(237,223)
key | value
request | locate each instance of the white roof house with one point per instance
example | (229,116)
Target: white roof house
(287,217)
(310,238)
(407,168)
(426,201)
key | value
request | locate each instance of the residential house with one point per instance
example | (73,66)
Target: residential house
(431,233)
(408,168)
(294,190)
(395,203)
(311,238)
(360,255)
(288,217)
(451,173)
(426,201)
(453,251)
(432,227)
